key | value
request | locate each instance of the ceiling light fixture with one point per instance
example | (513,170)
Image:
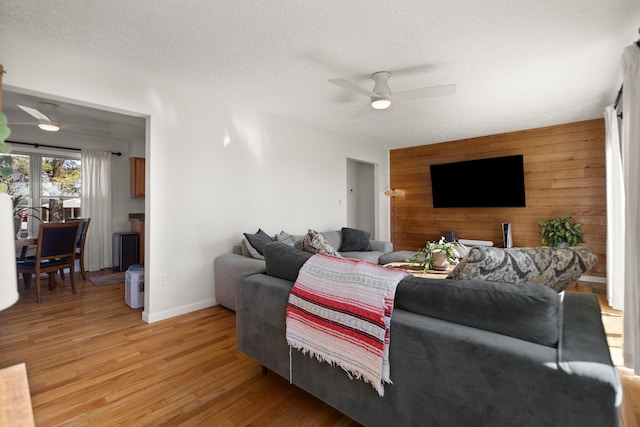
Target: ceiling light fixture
(380,103)
(49,127)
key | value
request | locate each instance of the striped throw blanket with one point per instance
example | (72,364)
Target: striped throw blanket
(340,312)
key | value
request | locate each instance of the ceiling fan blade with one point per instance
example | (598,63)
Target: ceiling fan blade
(34,113)
(86,130)
(427,92)
(366,110)
(346,84)
(101,134)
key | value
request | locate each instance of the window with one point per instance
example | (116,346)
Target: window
(49,185)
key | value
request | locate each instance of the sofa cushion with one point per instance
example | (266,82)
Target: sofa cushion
(354,240)
(398,256)
(333,238)
(315,243)
(258,240)
(556,268)
(284,261)
(532,313)
(370,256)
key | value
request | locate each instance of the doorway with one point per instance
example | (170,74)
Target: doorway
(361,200)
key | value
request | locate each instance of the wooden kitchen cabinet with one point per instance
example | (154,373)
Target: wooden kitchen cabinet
(136,169)
(137,226)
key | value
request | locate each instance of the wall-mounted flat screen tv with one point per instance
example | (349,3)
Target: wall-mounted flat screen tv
(497,182)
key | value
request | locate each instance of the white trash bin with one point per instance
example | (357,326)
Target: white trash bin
(134,286)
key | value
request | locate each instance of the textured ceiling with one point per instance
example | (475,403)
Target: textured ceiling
(517,64)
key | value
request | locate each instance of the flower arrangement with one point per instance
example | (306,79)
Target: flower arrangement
(23,212)
(437,255)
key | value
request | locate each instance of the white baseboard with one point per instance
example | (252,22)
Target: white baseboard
(167,314)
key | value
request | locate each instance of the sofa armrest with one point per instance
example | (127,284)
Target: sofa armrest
(226,268)
(381,246)
(584,351)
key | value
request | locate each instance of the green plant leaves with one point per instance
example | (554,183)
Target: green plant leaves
(448,249)
(560,230)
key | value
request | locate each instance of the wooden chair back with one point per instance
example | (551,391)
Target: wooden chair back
(56,250)
(57,240)
(82,237)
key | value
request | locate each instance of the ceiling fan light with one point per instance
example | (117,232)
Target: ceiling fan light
(49,127)
(380,103)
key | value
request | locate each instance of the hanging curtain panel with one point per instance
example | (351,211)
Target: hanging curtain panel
(631,172)
(615,212)
(96,204)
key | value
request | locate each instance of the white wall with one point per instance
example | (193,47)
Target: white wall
(201,194)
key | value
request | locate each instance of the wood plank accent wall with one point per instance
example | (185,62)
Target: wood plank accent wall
(564,176)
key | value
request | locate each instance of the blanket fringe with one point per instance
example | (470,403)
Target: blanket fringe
(290,367)
(352,374)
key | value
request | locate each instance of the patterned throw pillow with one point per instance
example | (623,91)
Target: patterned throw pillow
(315,243)
(556,268)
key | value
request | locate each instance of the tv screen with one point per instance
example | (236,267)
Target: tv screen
(486,183)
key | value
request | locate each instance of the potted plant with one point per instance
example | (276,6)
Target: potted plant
(437,255)
(560,232)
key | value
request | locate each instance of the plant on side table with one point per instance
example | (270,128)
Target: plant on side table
(560,232)
(22,212)
(437,255)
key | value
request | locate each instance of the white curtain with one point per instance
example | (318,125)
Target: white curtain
(631,171)
(96,204)
(615,211)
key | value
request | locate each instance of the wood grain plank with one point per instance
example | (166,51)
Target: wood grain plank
(92,361)
(564,176)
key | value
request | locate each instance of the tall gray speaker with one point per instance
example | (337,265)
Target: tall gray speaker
(506,235)
(126,250)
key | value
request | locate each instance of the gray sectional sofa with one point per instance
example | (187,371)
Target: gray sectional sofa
(462,352)
(228,266)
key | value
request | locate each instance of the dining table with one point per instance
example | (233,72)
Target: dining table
(23,244)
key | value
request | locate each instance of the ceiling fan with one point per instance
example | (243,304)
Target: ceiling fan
(381,95)
(48,120)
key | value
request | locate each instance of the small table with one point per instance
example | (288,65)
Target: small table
(417,270)
(23,244)
(15,400)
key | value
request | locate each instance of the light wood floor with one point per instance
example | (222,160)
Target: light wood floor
(92,361)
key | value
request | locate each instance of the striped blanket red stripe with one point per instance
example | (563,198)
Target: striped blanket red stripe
(340,312)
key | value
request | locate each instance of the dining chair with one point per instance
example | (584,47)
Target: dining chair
(82,236)
(55,250)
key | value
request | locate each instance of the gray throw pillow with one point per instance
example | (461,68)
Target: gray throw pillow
(258,240)
(355,240)
(285,238)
